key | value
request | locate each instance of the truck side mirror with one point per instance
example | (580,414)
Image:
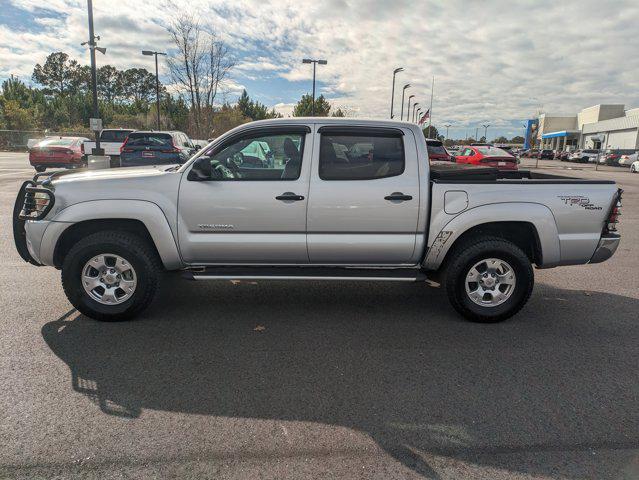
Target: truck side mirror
(201,170)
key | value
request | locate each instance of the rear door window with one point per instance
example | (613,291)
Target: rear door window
(361,156)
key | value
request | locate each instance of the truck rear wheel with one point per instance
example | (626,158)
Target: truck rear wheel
(488,279)
(111,276)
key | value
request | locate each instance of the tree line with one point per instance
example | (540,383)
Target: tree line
(200,65)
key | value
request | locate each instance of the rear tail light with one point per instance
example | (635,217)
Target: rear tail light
(37,203)
(615,213)
(174,149)
(122,149)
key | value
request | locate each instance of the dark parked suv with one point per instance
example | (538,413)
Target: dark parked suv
(546,154)
(156,148)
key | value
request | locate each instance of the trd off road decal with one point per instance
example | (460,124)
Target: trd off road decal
(579,201)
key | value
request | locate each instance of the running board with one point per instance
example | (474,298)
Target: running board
(308,273)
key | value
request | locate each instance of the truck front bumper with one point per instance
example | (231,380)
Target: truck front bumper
(606,248)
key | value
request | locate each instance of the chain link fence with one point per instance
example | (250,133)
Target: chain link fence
(22,140)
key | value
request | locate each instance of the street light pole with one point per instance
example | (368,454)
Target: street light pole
(94,75)
(395,72)
(418,115)
(157,82)
(408,111)
(401,116)
(447,127)
(486,132)
(414,106)
(314,62)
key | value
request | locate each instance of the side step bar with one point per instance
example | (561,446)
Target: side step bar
(308,273)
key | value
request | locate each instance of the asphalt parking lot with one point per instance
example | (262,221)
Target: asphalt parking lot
(354,380)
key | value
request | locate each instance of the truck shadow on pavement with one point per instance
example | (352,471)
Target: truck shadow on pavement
(538,393)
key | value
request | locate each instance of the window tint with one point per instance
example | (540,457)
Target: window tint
(355,157)
(149,139)
(436,150)
(265,157)
(114,135)
(496,152)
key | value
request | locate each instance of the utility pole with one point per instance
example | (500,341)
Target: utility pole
(395,72)
(476,132)
(447,127)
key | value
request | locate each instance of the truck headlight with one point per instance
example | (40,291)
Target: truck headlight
(37,203)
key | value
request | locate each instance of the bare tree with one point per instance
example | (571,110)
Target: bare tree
(199,67)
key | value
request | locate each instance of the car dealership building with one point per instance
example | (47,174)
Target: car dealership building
(596,127)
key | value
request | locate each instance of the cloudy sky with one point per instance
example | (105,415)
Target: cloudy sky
(494,62)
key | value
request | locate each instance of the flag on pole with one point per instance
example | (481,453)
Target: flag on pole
(424,117)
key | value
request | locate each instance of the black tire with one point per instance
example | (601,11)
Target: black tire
(465,256)
(40,169)
(135,250)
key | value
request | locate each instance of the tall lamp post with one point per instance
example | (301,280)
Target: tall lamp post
(486,132)
(401,115)
(157,80)
(414,106)
(314,62)
(408,111)
(417,116)
(395,72)
(447,127)
(93,46)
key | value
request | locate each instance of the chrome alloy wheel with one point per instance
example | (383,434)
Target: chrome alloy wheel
(109,279)
(490,282)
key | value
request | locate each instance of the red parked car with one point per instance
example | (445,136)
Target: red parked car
(487,157)
(437,152)
(57,152)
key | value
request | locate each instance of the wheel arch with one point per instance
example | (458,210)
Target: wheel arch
(531,227)
(139,217)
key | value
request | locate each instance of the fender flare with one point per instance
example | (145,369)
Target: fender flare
(540,216)
(150,214)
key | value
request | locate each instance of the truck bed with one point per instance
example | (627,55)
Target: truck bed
(565,216)
(463,173)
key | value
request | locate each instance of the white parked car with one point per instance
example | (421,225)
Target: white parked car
(634,168)
(628,159)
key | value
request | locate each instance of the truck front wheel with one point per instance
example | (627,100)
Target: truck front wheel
(488,279)
(111,276)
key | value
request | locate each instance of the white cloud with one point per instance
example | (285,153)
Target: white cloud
(286,109)
(493,61)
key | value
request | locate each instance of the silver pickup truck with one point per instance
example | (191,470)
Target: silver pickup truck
(335,199)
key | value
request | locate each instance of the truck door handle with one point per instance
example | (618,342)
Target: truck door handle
(289,196)
(398,196)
